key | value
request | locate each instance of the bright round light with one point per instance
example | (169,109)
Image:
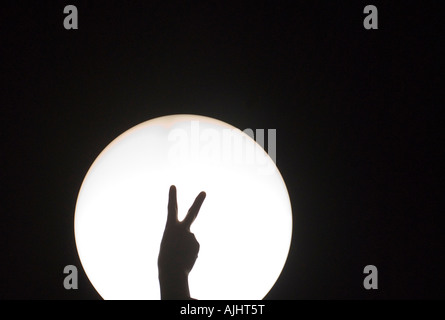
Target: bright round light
(244,226)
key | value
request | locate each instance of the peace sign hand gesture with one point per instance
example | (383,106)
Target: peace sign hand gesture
(179,249)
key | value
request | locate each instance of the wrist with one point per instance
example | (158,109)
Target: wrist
(174,286)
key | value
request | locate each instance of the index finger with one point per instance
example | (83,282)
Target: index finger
(194,210)
(172,215)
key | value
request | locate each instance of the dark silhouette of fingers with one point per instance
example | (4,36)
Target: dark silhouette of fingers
(194,210)
(172,216)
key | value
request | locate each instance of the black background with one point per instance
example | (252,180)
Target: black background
(357,127)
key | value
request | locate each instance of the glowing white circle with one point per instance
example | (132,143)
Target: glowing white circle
(244,226)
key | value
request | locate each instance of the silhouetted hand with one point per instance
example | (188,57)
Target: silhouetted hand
(179,249)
